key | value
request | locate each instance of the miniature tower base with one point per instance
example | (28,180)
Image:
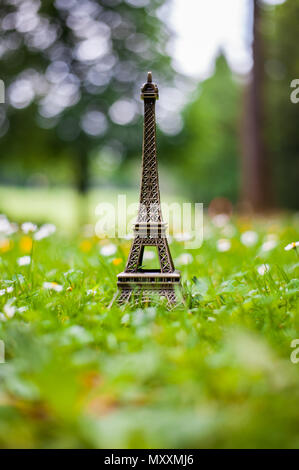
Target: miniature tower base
(146,285)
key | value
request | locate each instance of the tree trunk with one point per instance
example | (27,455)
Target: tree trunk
(256,193)
(82,176)
(82,185)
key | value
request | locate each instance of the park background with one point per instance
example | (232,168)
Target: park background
(78,375)
(72,118)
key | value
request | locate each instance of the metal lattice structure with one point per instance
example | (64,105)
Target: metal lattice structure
(149,229)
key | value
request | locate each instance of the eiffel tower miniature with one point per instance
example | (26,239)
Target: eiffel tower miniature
(149,229)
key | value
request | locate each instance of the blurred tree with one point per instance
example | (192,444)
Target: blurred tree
(70,69)
(256,185)
(205,153)
(280,34)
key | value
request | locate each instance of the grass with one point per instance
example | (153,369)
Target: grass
(215,372)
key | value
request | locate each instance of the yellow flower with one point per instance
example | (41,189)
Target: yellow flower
(5,245)
(25,244)
(85,246)
(116,261)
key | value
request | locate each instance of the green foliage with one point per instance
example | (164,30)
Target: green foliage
(281,66)
(215,372)
(207,150)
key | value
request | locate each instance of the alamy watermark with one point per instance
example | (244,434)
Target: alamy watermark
(294,96)
(295,354)
(2,352)
(2,92)
(183,220)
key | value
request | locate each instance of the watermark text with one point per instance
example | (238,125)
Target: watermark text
(183,220)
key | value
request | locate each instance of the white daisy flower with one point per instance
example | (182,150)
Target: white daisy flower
(22,309)
(4,223)
(220,220)
(91,291)
(291,246)
(9,309)
(13,228)
(211,319)
(269,245)
(6,227)
(249,238)
(9,289)
(28,227)
(52,286)
(45,231)
(185,258)
(108,250)
(263,269)
(223,244)
(24,260)
(2,292)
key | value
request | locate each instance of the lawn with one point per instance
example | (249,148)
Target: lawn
(215,372)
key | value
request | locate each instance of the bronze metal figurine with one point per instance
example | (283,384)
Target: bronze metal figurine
(149,229)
